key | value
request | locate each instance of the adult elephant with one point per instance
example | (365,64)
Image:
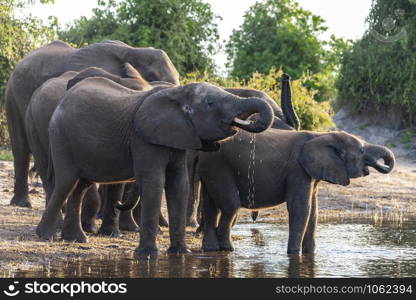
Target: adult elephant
(287,167)
(39,112)
(54,59)
(143,135)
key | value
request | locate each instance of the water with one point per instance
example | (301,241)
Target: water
(343,250)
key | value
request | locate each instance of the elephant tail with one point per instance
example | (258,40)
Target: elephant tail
(287,105)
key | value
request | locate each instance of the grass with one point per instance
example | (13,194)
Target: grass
(6,154)
(407,136)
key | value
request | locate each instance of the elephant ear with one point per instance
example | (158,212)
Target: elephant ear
(163,120)
(323,159)
(106,55)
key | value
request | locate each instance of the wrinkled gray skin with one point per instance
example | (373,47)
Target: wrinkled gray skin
(288,168)
(285,118)
(40,110)
(141,135)
(51,61)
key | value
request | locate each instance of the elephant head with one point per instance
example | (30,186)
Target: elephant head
(336,157)
(196,116)
(154,64)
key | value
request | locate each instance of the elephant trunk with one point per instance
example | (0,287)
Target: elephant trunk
(250,106)
(286,103)
(374,153)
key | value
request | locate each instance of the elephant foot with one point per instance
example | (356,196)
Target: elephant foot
(192,223)
(71,235)
(21,201)
(128,226)
(89,227)
(110,231)
(179,249)
(228,246)
(146,252)
(46,232)
(162,221)
(210,244)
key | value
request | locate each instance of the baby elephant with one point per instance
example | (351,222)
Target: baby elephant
(279,166)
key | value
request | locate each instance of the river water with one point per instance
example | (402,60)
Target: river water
(343,250)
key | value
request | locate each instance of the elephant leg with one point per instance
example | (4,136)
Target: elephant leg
(177,190)
(72,229)
(308,244)
(224,229)
(229,203)
(152,174)
(63,187)
(137,213)
(127,222)
(21,154)
(210,215)
(111,215)
(90,207)
(298,199)
(102,192)
(194,187)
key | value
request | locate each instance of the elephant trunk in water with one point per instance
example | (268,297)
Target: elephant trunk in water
(249,106)
(375,153)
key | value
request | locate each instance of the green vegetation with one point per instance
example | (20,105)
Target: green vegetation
(378,72)
(312,115)
(6,154)
(185,29)
(280,34)
(18,35)
(370,74)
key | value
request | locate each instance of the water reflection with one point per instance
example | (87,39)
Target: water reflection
(301,266)
(343,250)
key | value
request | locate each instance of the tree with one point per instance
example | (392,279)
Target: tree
(378,72)
(276,33)
(17,37)
(185,29)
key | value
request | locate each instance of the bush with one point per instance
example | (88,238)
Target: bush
(377,76)
(312,115)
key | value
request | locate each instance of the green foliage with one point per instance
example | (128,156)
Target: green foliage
(280,34)
(6,154)
(18,35)
(312,115)
(377,75)
(276,33)
(185,29)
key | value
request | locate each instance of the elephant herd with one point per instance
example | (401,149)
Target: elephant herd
(117,116)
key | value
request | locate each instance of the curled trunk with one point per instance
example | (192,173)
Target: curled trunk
(374,153)
(249,107)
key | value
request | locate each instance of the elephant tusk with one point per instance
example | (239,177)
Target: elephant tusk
(241,122)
